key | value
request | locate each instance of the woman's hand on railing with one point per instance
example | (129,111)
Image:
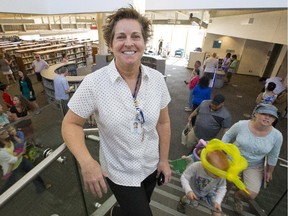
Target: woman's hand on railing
(93,177)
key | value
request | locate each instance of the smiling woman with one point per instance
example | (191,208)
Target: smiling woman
(256,139)
(132,117)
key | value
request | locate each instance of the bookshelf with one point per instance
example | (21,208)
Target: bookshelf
(88,46)
(75,53)
(50,73)
(25,57)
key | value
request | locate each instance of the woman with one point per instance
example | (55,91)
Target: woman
(121,94)
(5,68)
(65,58)
(226,62)
(256,138)
(26,88)
(12,165)
(21,109)
(201,92)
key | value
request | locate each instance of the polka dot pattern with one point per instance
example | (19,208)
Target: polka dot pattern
(125,157)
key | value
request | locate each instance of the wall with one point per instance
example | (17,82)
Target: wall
(269,26)
(253,55)
(254,58)
(228,43)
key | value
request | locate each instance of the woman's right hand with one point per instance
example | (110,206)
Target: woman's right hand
(93,177)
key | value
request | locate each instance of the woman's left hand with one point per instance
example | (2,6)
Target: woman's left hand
(164,167)
(268,176)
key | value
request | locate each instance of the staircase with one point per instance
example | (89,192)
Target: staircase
(165,199)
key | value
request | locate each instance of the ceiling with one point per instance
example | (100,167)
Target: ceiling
(204,15)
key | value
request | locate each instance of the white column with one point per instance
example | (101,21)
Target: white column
(100,19)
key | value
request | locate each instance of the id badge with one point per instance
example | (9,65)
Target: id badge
(135,126)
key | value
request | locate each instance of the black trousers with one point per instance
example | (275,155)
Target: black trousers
(134,200)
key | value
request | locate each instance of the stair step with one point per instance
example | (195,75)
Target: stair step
(173,189)
(159,209)
(175,181)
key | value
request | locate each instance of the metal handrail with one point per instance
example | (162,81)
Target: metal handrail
(27,178)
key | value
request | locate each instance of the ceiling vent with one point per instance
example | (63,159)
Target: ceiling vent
(248,21)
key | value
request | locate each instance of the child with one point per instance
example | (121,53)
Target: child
(17,137)
(6,97)
(232,68)
(199,183)
(4,119)
(226,62)
(268,96)
(192,84)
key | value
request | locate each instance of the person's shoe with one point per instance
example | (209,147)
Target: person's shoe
(188,109)
(47,186)
(181,207)
(238,206)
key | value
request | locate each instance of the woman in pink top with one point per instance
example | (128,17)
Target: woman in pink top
(193,82)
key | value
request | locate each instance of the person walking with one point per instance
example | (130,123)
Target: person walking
(5,68)
(38,65)
(120,94)
(210,66)
(256,139)
(26,89)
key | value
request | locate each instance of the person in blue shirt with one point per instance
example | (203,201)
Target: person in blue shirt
(201,92)
(61,88)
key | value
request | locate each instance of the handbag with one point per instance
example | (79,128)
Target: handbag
(186,135)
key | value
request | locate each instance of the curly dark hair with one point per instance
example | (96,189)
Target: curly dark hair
(126,13)
(204,81)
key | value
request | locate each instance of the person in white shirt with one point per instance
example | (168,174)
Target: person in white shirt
(210,66)
(38,65)
(121,94)
(280,85)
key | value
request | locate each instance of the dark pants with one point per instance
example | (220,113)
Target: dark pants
(228,76)
(25,166)
(193,120)
(134,200)
(64,106)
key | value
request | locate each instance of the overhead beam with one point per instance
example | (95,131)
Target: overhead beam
(16,21)
(85,20)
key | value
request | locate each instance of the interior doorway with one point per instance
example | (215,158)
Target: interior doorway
(274,54)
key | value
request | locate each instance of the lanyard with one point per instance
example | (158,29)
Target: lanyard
(139,111)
